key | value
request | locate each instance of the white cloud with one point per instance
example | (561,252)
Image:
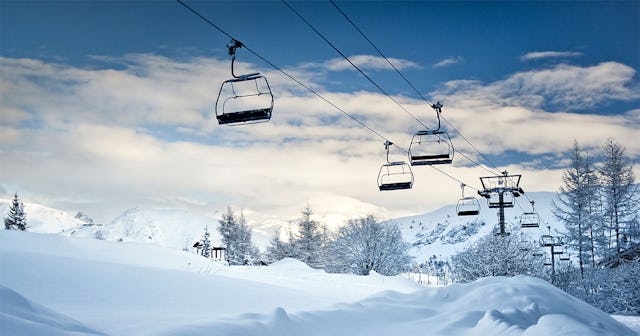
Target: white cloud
(369,62)
(448,62)
(105,140)
(548,54)
(570,87)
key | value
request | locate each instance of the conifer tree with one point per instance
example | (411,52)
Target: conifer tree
(570,205)
(620,196)
(308,244)
(16,218)
(205,249)
(236,237)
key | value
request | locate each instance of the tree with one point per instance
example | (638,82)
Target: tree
(236,237)
(308,244)
(574,206)
(16,218)
(205,244)
(496,256)
(620,196)
(279,249)
(365,245)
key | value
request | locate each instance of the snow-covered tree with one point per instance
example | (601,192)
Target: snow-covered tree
(620,196)
(279,249)
(205,244)
(236,237)
(308,243)
(575,207)
(16,218)
(364,245)
(496,256)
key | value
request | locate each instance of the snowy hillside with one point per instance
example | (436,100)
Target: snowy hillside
(439,233)
(443,233)
(56,285)
(43,219)
(174,228)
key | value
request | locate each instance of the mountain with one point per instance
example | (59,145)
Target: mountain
(443,233)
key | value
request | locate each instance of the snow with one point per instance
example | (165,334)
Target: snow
(56,285)
(19,316)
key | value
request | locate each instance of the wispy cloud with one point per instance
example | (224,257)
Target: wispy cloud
(369,62)
(548,54)
(448,62)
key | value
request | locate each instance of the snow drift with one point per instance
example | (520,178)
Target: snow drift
(120,288)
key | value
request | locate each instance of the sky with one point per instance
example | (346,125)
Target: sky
(109,105)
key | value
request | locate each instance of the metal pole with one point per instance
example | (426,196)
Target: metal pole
(501,214)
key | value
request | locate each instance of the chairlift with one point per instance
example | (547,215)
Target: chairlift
(244,99)
(549,240)
(430,147)
(467,206)
(530,219)
(394,175)
(565,257)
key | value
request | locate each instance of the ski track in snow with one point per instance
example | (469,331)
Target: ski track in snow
(55,285)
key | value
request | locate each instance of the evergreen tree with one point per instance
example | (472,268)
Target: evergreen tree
(205,243)
(620,196)
(236,237)
(279,249)
(308,244)
(16,218)
(571,205)
(365,245)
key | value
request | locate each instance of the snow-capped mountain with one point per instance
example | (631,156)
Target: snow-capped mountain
(441,232)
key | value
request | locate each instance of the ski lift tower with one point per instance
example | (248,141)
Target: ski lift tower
(500,191)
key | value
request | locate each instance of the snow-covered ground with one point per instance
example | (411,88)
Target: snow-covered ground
(56,285)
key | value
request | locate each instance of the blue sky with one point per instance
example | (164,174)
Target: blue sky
(118,95)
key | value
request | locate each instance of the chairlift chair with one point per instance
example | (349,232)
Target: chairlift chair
(394,175)
(467,206)
(565,257)
(530,219)
(243,99)
(549,240)
(430,147)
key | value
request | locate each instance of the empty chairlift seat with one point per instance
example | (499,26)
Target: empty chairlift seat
(243,99)
(468,206)
(529,220)
(395,176)
(247,99)
(430,148)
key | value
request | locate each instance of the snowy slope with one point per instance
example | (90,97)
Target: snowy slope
(443,233)
(44,219)
(174,228)
(121,288)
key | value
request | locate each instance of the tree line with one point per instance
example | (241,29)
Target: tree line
(361,246)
